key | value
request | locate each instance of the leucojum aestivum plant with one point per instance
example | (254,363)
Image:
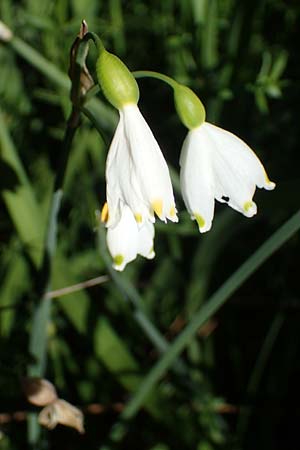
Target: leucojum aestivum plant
(214,165)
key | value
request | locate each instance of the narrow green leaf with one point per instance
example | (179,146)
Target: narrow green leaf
(20,199)
(14,284)
(114,353)
(213,304)
(209,39)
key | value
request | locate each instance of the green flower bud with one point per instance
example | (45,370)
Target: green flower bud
(116,81)
(188,106)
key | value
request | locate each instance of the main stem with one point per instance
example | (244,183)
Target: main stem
(42,312)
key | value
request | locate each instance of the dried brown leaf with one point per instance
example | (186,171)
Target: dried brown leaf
(61,412)
(38,391)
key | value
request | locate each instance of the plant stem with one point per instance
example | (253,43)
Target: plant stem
(213,304)
(129,293)
(156,75)
(42,311)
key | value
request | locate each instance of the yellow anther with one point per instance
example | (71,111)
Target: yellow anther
(157,206)
(200,221)
(138,217)
(118,260)
(104,213)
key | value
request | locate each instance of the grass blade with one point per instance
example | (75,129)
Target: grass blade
(213,304)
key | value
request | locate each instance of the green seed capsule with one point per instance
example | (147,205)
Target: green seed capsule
(188,106)
(116,81)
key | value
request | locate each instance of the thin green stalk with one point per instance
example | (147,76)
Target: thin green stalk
(156,75)
(41,316)
(42,312)
(213,304)
(95,38)
(130,293)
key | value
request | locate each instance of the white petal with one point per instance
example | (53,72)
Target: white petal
(149,170)
(136,172)
(217,164)
(122,186)
(237,170)
(146,237)
(123,239)
(112,176)
(197,178)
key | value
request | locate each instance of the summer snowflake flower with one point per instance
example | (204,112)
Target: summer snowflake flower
(216,164)
(136,172)
(127,239)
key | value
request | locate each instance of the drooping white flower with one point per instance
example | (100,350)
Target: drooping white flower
(127,239)
(136,172)
(216,164)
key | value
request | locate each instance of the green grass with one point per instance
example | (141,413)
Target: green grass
(199,348)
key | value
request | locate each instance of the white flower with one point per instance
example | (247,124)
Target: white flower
(136,172)
(216,164)
(127,239)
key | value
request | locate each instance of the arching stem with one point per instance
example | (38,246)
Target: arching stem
(159,76)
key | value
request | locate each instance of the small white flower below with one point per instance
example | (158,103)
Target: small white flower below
(126,240)
(216,164)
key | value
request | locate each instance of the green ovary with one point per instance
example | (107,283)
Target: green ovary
(189,107)
(116,81)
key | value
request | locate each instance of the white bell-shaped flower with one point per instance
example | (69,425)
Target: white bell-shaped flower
(137,174)
(127,239)
(216,164)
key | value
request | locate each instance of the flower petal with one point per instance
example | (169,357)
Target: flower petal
(123,239)
(113,192)
(136,172)
(149,170)
(146,237)
(237,170)
(122,186)
(197,177)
